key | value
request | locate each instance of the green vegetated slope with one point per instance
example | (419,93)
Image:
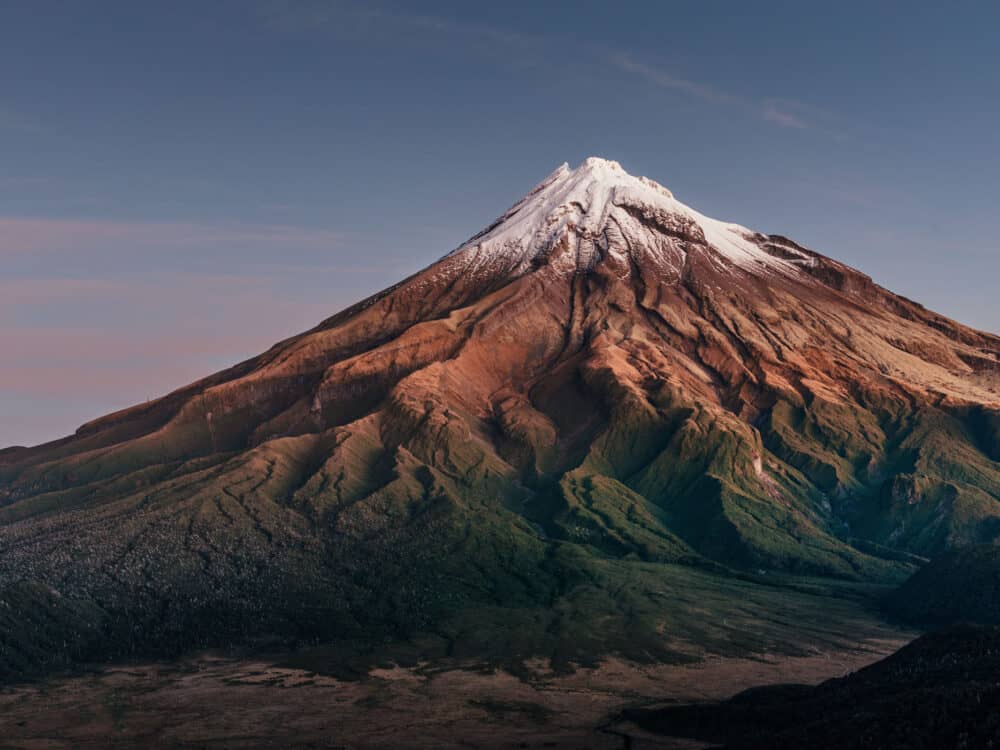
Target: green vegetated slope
(375,533)
(420,519)
(916,480)
(535,433)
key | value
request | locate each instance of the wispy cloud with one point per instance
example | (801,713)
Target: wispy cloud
(773,113)
(309,15)
(783,115)
(34,235)
(665,79)
(84,347)
(335,15)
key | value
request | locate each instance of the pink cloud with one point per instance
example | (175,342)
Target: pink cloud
(146,336)
(115,348)
(31,235)
(118,367)
(119,333)
(162,302)
(160,286)
(34,291)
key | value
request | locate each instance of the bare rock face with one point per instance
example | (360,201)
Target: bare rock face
(602,374)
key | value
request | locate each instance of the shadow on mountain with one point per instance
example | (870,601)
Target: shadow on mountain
(960,586)
(941,691)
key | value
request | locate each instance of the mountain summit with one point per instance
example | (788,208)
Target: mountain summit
(580,206)
(603,379)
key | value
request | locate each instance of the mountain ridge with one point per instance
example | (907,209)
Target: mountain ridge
(831,273)
(602,380)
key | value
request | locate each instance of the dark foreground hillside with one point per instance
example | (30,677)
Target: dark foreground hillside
(960,586)
(941,691)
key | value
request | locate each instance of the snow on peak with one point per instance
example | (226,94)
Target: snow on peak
(611,172)
(581,202)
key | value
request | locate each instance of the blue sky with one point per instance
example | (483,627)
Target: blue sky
(184,183)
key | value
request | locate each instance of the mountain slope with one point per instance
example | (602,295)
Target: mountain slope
(602,376)
(961,585)
(941,690)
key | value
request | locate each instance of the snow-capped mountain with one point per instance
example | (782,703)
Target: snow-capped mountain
(602,374)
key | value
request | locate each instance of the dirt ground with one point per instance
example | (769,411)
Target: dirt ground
(217,702)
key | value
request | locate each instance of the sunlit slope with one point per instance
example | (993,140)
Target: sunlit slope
(604,377)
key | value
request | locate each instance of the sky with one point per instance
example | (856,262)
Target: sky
(183,184)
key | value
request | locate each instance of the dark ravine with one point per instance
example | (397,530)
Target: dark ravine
(560,435)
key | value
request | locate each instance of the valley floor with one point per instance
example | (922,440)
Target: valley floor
(215,702)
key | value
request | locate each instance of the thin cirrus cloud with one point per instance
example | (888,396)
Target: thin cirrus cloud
(322,16)
(773,113)
(96,315)
(350,17)
(103,362)
(78,348)
(186,295)
(769,110)
(665,79)
(15,293)
(47,235)
(124,321)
